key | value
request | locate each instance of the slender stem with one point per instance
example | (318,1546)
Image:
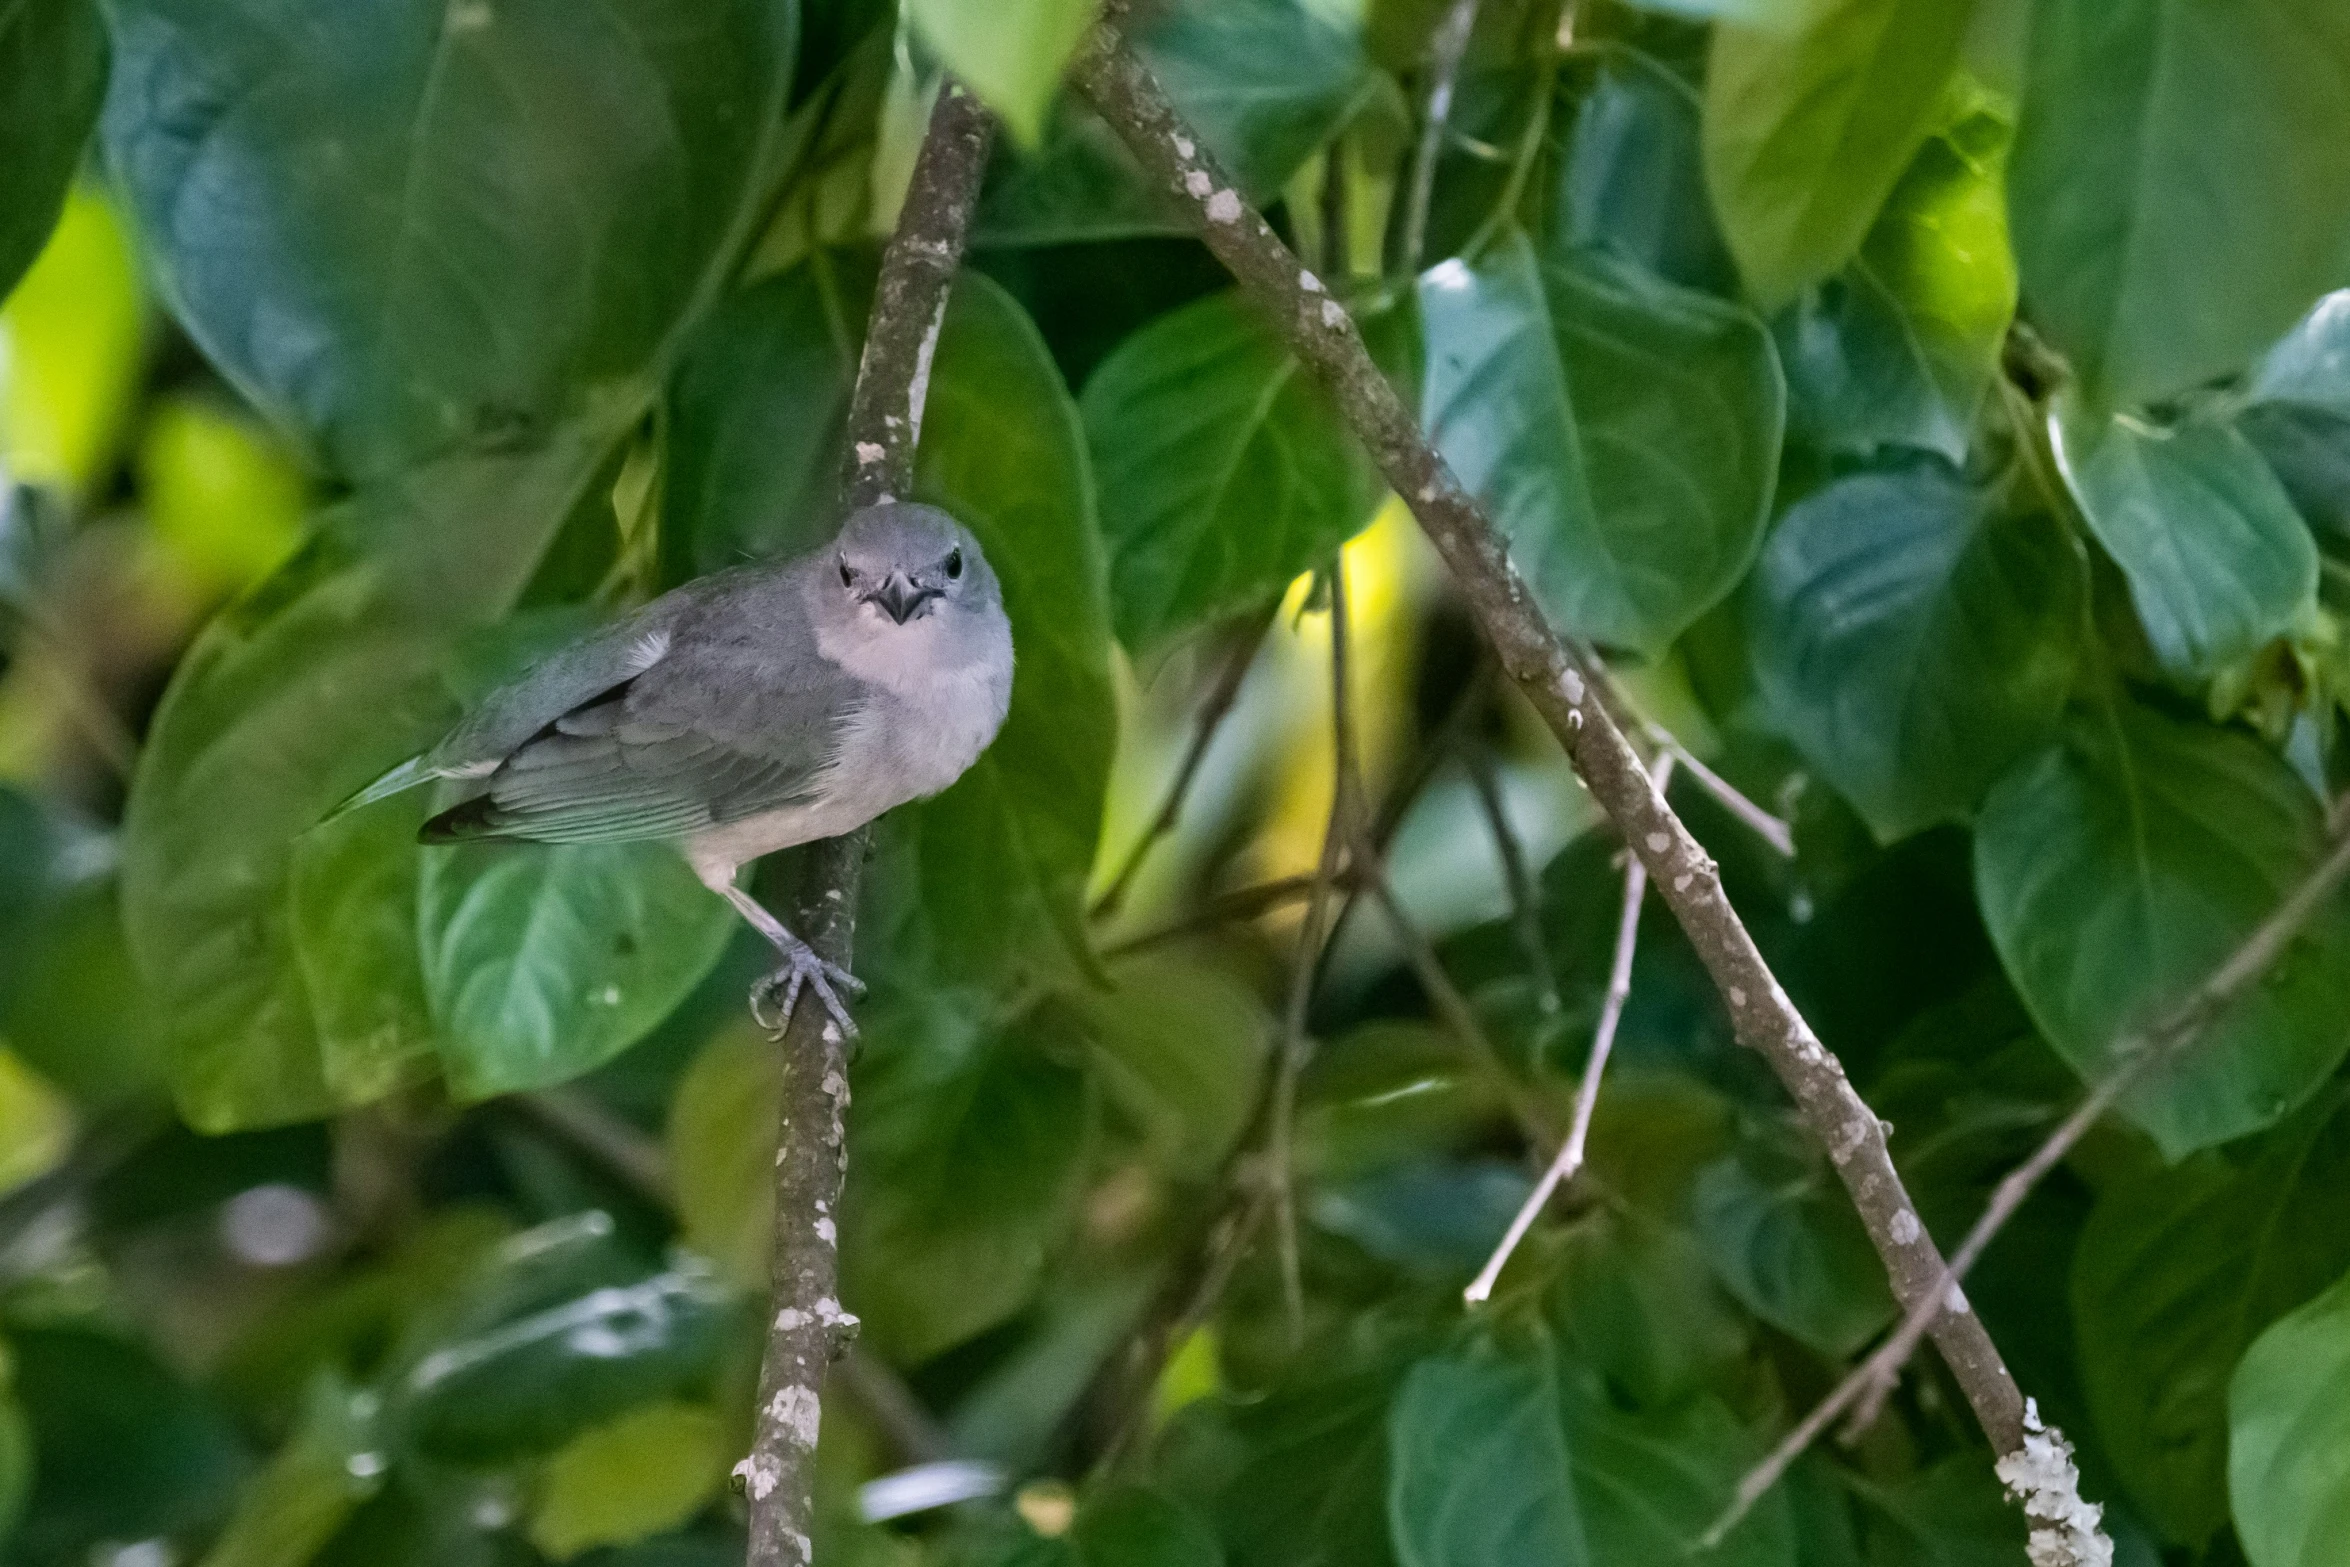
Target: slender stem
(1296,1047)
(2176,1032)
(809,1330)
(1603,1042)
(1561,684)
(1241,903)
(1212,713)
(1525,899)
(1772,829)
(1446,51)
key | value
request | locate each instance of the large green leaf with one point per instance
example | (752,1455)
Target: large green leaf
(1783,1238)
(1179,1049)
(1631,177)
(2299,415)
(2218,561)
(644,1473)
(992,871)
(967,1143)
(2176,1273)
(414,227)
(273,951)
(1225,469)
(1624,433)
(1510,1458)
(1913,635)
(2289,1437)
(2181,184)
(1808,126)
(545,962)
(1010,53)
(2118,867)
(52,78)
(1264,83)
(1898,348)
(1477,1460)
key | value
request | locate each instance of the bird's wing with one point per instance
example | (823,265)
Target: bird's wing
(726,726)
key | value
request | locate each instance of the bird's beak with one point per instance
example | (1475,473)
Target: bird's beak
(899,598)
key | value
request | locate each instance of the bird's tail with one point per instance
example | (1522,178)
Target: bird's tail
(407,775)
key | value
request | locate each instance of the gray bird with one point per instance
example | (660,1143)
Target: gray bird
(754,709)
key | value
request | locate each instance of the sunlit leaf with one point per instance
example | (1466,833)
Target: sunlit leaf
(1010,53)
(36,1123)
(648,1471)
(52,78)
(2289,1437)
(1808,126)
(76,333)
(219,491)
(2119,866)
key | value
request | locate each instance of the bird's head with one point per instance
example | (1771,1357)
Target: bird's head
(899,564)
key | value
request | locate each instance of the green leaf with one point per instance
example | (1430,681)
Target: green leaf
(1225,469)
(1631,180)
(1652,1483)
(1952,1515)
(16,1458)
(543,964)
(1624,433)
(1003,856)
(1783,1238)
(2121,865)
(1477,1461)
(1010,53)
(992,871)
(52,79)
(2289,1437)
(2218,561)
(324,675)
(1179,1048)
(1634,1300)
(966,1147)
(645,1473)
(1913,634)
(2310,366)
(2176,1273)
(1137,1528)
(219,491)
(1898,349)
(723,1122)
(1264,83)
(1300,1474)
(2181,183)
(1808,126)
(122,1447)
(294,1505)
(419,227)
(2298,416)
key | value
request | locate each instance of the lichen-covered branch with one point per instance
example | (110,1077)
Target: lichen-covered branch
(1562,686)
(808,1329)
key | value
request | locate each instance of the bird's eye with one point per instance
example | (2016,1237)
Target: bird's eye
(954,563)
(848,576)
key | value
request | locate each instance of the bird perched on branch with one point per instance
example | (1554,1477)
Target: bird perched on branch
(754,709)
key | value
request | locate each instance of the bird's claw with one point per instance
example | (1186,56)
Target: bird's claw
(803,970)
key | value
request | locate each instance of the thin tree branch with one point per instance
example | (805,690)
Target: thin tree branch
(1603,1041)
(2170,1037)
(1212,713)
(1445,52)
(1773,830)
(1226,908)
(1562,687)
(809,1330)
(1525,900)
(1296,1048)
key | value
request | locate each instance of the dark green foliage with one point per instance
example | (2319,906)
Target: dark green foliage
(364,1205)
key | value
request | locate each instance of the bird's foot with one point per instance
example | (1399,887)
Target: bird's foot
(803,970)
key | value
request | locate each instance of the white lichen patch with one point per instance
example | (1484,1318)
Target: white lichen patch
(1955,1301)
(1224,207)
(1310,283)
(826,1232)
(1572,684)
(1659,842)
(1333,314)
(1682,881)
(798,1412)
(1849,1140)
(1198,184)
(1184,147)
(791,1319)
(1737,996)
(1904,1228)
(760,1476)
(2066,1530)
